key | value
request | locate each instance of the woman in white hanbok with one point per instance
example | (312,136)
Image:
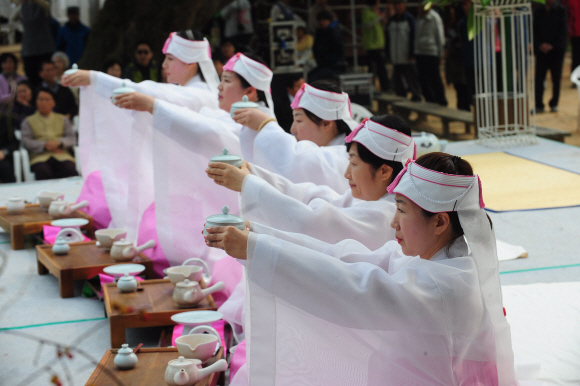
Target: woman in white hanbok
(425,309)
(378,149)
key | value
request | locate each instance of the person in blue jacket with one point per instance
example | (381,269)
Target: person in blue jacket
(72,37)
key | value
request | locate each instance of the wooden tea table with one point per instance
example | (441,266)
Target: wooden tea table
(149,371)
(83,261)
(32,220)
(151,307)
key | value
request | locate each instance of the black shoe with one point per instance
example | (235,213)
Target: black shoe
(538,110)
(554,109)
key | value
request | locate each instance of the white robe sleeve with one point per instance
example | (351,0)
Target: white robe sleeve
(299,161)
(193,98)
(199,133)
(367,222)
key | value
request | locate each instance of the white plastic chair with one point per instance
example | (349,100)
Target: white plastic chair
(575,78)
(359,113)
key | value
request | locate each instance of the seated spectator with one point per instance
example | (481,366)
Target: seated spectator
(48,136)
(144,67)
(63,96)
(9,78)
(114,68)
(12,115)
(304,44)
(228,50)
(72,37)
(61,64)
(328,50)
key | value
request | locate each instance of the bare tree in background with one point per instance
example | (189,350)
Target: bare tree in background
(121,23)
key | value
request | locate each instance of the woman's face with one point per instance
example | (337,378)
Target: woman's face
(114,70)
(230,90)
(59,66)
(304,129)
(365,182)
(23,93)
(418,234)
(178,72)
(8,66)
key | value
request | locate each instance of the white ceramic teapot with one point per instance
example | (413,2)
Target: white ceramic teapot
(125,358)
(60,246)
(60,208)
(188,293)
(127,283)
(15,205)
(224,219)
(121,90)
(184,372)
(227,158)
(124,250)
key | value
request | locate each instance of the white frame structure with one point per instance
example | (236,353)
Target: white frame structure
(503,105)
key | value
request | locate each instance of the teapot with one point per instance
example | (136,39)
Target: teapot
(60,246)
(124,250)
(15,205)
(125,358)
(45,198)
(60,208)
(224,219)
(243,104)
(227,158)
(121,90)
(127,283)
(188,293)
(185,372)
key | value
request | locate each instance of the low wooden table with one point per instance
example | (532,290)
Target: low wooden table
(83,261)
(151,307)
(150,369)
(31,221)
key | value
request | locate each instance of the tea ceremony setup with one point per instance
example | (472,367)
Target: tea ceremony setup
(329,193)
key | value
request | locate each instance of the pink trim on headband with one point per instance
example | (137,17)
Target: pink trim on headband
(393,185)
(353,134)
(296,101)
(384,135)
(167,42)
(415,151)
(481,203)
(229,66)
(439,183)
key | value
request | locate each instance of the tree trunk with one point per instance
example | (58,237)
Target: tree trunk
(121,23)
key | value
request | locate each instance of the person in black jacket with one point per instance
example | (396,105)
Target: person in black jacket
(328,50)
(63,96)
(550,40)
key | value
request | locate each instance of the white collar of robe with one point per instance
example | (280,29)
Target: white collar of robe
(384,142)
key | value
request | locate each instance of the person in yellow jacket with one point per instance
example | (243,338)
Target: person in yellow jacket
(47,136)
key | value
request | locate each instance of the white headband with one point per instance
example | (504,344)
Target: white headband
(384,142)
(327,105)
(255,73)
(194,51)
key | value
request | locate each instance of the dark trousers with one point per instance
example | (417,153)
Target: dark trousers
(7,170)
(376,62)
(430,79)
(54,169)
(575,43)
(405,79)
(32,67)
(552,61)
(463,96)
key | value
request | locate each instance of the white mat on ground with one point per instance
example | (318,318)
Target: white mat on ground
(507,251)
(544,321)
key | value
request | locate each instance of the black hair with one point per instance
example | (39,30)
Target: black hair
(246,84)
(449,164)
(292,78)
(195,36)
(324,15)
(24,82)
(217,56)
(43,89)
(325,85)
(41,66)
(142,41)
(110,63)
(72,10)
(9,55)
(367,156)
